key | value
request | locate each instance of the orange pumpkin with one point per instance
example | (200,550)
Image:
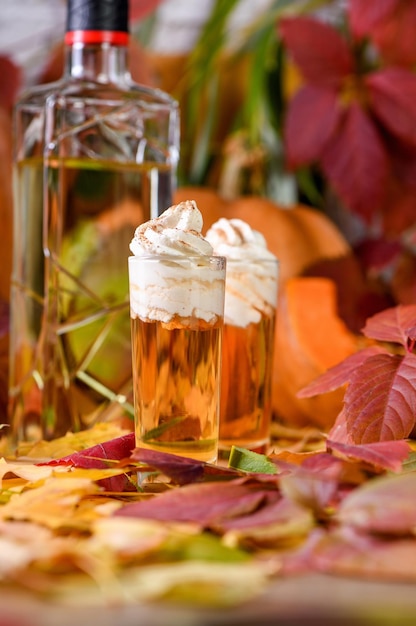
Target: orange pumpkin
(307,320)
(310,338)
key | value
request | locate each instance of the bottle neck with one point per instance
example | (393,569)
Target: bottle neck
(97,59)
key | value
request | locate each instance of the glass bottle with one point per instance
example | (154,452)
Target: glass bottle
(95,155)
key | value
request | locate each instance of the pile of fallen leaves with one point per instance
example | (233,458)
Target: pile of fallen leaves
(115,523)
(92,518)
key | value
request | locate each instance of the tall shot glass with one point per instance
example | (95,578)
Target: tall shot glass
(250,317)
(177,315)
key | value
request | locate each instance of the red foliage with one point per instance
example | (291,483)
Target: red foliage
(390,24)
(380,400)
(355,115)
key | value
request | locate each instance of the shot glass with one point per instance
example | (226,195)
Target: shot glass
(177,317)
(247,354)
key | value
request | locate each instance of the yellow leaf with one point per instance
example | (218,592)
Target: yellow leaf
(27,471)
(54,504)
(71,442)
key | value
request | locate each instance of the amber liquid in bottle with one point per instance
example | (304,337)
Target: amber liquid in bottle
(95,156)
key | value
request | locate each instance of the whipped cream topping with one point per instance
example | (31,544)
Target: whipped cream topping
(251,283)
(177,231)
(172,273)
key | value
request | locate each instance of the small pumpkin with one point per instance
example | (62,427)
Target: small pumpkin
(299,236)
(310,338)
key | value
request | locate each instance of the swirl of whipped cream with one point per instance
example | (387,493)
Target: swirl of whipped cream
(172,273)
(251,281)
(176,232)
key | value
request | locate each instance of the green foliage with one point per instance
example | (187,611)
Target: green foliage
(260,116)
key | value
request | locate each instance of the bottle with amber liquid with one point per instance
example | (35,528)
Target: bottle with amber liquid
(95,155)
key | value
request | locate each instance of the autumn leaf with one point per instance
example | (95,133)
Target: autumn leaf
(364,15)
(355,162)
(321,54)
(380,401)
(354,118)
(391,90)
(104,454)
(385,505)
(390,24)
(376,254)
(305,141)
(205,503)
(28,472)
(54,504)
(348,552)
(283,522)
(386,455)
(314,484)
(70,443)
(181,470)
(392,324)
(339,374)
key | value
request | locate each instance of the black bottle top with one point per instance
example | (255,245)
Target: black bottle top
(97,15)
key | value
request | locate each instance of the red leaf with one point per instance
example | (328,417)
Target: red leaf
(312,116)
(181,470)
(377,254)
(103,455)
(314,484)
(380,401)
(318,49)
(339,374)
(394,36)
(284,512)
(384,505)
(205,503)
(403,159)
(348,552)
(392,324)
(355,162)
(388,455)
(339,432)
(393,100)
(364,15)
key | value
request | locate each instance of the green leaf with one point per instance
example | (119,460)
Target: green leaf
(155,433)
(204,547)
(249,461)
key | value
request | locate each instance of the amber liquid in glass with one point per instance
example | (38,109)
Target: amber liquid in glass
(175,372)
(247,359)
